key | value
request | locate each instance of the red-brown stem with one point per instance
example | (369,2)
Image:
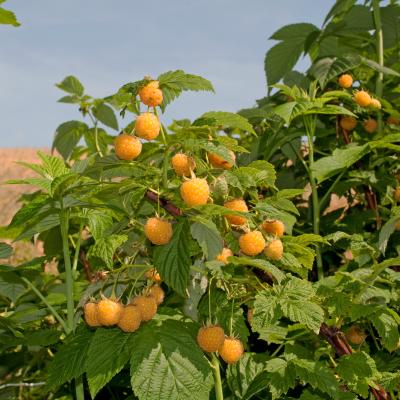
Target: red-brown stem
(165,204)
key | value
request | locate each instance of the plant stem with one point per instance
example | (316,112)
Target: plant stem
(96,134)
(379,53)
(219,394)
(64,221)
(77,248)
(309,122)
(48,305)
(79,391)
(163,135)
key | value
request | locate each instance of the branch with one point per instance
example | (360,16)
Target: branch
(165,204)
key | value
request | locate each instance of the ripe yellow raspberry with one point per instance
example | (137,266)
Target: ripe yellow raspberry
(348,123)
(147,126)
(356,335)
(375,103)
(274,250)
(274,227)
(345,81)
(210,338)
(90,314)
(231,350)
(130,319)
(370,125)
(397,226)
(158,294)
(236,205)
(195,192)
(147,306)
(153,275)
(223,256)
(362,98)
(252,243)
(158,231)
(218,162)
(183,164)
(109,312)
(396,194)
(127,147)
(150,94)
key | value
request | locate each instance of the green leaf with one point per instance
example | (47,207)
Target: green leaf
(109,351)
(208,237)
(388,329)
(67,136)
(267,310)
(359,371)
(228,119)
(386,231)
(70,84)
(5,250)
(69,361)
(8,17)
(340,159)
(105,114)
(280,377)
(11,285)
(99,222)
(168,364)
(41,223)
(173,261)
(105,247)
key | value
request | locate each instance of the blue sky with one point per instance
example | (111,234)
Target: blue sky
(109,43)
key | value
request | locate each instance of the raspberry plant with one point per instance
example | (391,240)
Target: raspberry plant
(216,234)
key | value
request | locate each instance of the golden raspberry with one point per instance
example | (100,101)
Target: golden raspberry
(150,94)
(345,81)
(356,335)
(109,312)
(158,294)
(396,194)
(127,147)
(274,250)
(348,123)
(223,256)
(183,164)
(274,227)
(210,338)
(158,231)
(218,162)
(362,98)
(370,125)
(147,126)
(90,314)
(153,275)
(252,243)
(147,306)
(130,319)
(195,192)
(231,350)
(397,225)
(236,205)
(375,103)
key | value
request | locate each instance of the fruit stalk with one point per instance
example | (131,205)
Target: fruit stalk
(379,53)
(219,394)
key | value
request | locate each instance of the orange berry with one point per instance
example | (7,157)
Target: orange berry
(375,103)
(151,95)
(127,147)
(397,225)
(223,256)
(90,314)
(370,125)
(158,231)
(109,312)
(195,192)
(130,319)
(231,350)
(236,205)
(274,227)
(362,98)
(147,306)
(274,250)
(252,243)
(210,338)
(393,120)
(396,194)
(356,335)
(158,294)
(147,126)
(153,275)
(182,164)
(218,162)
(345,81)
(348,123)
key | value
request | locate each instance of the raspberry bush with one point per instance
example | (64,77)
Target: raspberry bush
(206,259)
